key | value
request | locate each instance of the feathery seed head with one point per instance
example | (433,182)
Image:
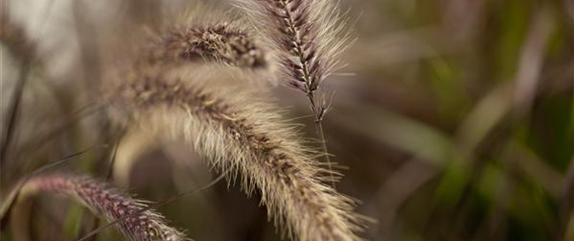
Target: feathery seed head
(203,34)
(109,203)
(236,128)
(307,35)
(216,43)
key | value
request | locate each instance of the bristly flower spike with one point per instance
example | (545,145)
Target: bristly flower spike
(235,127)
(108,203)
(308,36)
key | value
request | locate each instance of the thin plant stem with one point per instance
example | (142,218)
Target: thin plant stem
(319,114)
(14,111)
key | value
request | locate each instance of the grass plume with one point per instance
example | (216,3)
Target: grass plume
(108,203)
(218,43)
(307,35)
(198,36)
(237,129)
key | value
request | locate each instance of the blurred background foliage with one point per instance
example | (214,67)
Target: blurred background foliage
(457,122)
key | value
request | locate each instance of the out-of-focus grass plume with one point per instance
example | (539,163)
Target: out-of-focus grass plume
(450,120)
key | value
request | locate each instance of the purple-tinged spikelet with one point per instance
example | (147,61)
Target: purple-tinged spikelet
(110,204)
(305,34)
